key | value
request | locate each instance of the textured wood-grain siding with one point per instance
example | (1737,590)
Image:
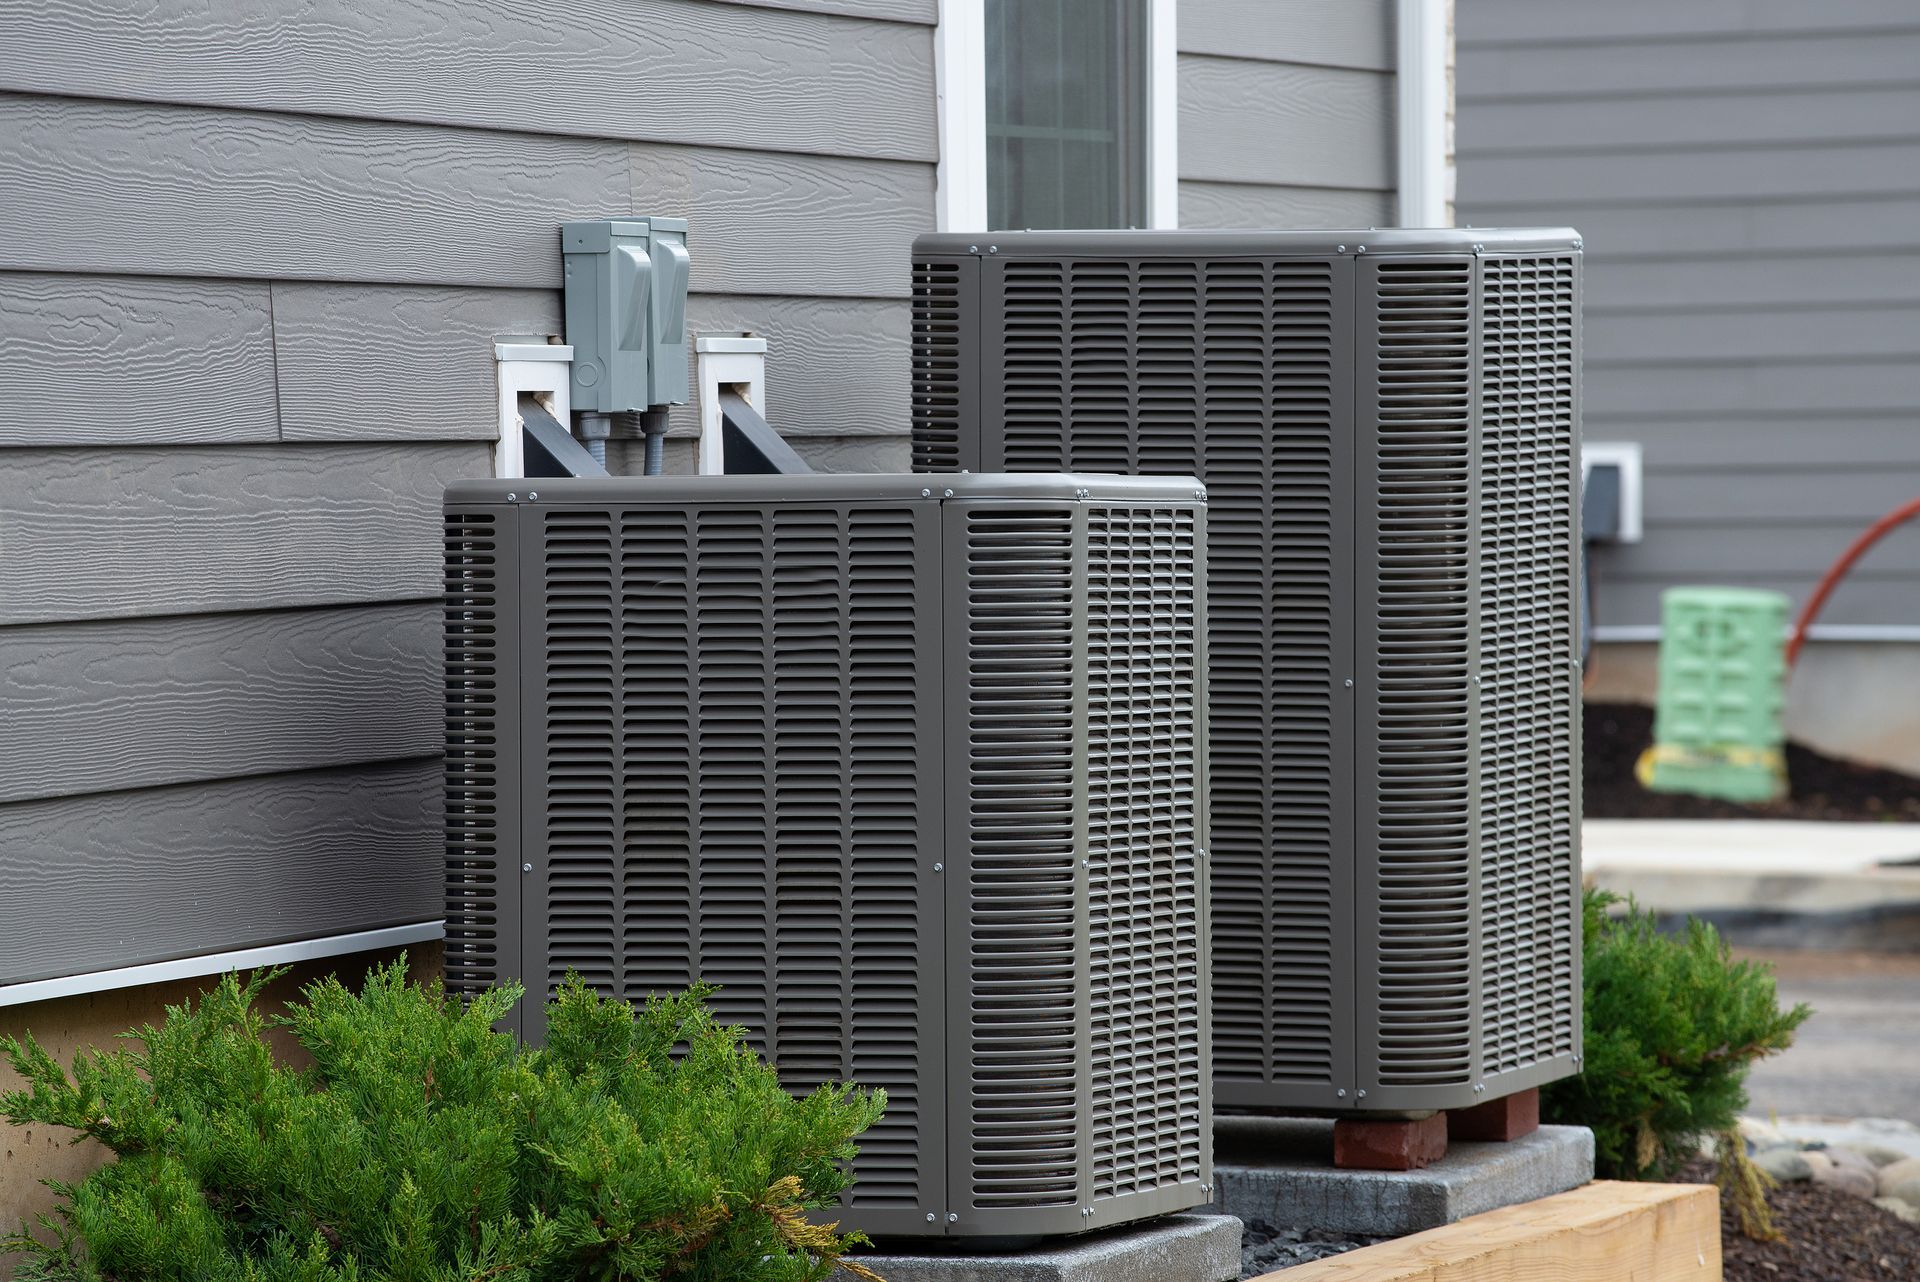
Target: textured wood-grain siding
(99,360)
(1286,113)
(1746,175)
(666,70)
(1332,33)
(145,531)
(125,878)
(95,707)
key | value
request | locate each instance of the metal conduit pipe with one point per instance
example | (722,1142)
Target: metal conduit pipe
(653,425)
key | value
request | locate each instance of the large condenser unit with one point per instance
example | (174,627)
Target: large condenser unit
(914,772)
(1387,426)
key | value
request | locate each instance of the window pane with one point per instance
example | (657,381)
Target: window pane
(1065,107)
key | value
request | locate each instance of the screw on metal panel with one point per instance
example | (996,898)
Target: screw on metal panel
(973,249)
(1081,494)
(533,494)
(512,497)
(1576,244)
(1479,249)
(993,249)
(948,494)
(1359,1094)
(1349,683)
(939,867)
(1363,249)
(1341,1093)
(926,494)
(953,1217)
(1339,249)
(1200,494)
(1086,863)
(526,867)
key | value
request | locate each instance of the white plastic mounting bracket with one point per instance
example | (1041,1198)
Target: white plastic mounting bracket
(529,365)
(1624,455)
(736,363)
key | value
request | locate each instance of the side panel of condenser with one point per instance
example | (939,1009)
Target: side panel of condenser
(1019,1018)
(1530,704)
(483,759)
(1419,903)
(946,364)
(731,724)
(1239,371)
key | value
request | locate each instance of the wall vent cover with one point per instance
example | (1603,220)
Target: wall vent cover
(1388,436)
(914,775)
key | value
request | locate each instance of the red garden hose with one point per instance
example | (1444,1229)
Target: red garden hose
(1838,571)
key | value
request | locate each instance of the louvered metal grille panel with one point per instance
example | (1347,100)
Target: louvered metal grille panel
(473,700)
(1223,369)
(1142,787)
(936,366)
(1529,468)
(733,785)
(1423,607)
(1023,914)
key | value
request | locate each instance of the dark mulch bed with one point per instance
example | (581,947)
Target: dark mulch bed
(1830,1237)
(1823,787)
(1266,1249)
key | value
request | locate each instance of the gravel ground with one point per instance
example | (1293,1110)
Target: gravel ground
(1823,787)
(1265,1249)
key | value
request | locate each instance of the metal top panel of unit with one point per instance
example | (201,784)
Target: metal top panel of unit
(1262,244)
(880,487)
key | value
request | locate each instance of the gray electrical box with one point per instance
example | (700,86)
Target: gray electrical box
(626,282)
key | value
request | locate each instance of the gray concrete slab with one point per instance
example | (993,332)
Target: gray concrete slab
(1280,1171)
(1175,1248)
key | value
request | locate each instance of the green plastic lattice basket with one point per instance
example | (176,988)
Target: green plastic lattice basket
(1717,729)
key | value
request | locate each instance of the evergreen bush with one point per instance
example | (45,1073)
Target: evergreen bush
(424,1146)
(1672,1026)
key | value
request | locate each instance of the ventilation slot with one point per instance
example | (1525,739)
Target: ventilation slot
(690,657)
(936,367)
(1422,739)
(1142,797)
(1529,460)
(1021,817)
(472,640)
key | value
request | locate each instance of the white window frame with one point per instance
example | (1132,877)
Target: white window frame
(960,70)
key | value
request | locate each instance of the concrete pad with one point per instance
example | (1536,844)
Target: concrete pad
(1193,1247)
(1280,1171)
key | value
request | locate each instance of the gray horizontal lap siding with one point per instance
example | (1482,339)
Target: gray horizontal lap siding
(1747,178)
(1286,113)
(249,311)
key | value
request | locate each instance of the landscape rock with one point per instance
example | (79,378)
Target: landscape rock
(1858,1183)
(1907,1168)
(1907,1191)
(1852,1161)
(1911,1214)
(1880,1154)
(1760,1134)
(1784,1164)
(1817,1160)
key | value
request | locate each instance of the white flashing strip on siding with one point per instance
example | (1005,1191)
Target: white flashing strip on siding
(1873,633)
(100,981)
(1421,85)
(960,88)
(960,80)
(1163,115)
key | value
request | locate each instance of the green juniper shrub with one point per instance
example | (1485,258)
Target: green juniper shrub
(1672,1026)
(424,1146)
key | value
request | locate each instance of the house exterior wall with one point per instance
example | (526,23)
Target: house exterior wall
(1747,178)
(247,304)
(1286,113)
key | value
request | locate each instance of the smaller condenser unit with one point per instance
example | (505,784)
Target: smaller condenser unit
(914,771)
(1387,423)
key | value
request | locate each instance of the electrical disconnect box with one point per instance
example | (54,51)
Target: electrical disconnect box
(626,312)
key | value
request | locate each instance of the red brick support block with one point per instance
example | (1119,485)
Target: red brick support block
(1507,1118)
(1389,1146)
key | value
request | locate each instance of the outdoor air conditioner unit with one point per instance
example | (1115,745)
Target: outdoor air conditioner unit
(1387,424)
(915,774)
